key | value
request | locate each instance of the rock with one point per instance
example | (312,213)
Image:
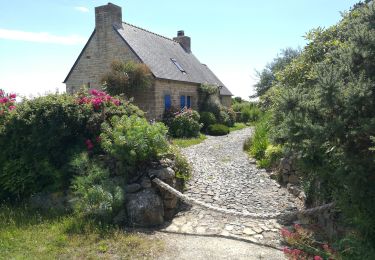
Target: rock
(146,183)
(285,178)
(131,188)
(293,179)
(163,173)
(145,208)
(169,214)
(170,203)
(166,162)
(172,228)
(121,218)
(248,231)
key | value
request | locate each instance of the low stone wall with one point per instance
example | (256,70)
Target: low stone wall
(288,175)
(146,204)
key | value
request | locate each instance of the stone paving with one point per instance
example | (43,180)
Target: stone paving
(225,177)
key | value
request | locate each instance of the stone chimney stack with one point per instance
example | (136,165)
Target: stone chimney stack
(106,16)
(184,41)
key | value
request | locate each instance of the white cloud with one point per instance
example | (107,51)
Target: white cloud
(42,37)
(82,9)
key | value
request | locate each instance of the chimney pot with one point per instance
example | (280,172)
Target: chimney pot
(180,33)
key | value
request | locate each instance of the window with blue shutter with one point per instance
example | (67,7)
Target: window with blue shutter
(188,101)
(182,101)
(167,102)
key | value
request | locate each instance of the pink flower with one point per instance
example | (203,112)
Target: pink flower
(11,108)
(1,93)
(89,144)
(94,92)
(98,139)
(285,233)
(296,252)
(4,100)
(287,250)
(317,258)
(116,102)
(96,102)
(12,95)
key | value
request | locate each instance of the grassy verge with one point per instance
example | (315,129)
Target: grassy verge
(26,234)
(238,126)
(186,142)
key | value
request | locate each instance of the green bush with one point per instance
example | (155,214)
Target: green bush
(133,141)
(227,116)
(324,113)
(207,119)
(185,124)
(40,136)
(272,155)
(95,193)
(218,129)
(127,78)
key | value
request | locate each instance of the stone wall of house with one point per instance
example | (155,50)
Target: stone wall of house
(175,89)
(226,100)
(96,59)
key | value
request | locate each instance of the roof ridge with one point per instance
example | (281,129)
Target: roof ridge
(149,31)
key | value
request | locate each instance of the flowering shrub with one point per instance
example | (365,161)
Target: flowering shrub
(184,123)
(98,99)
(7,102)
(304,246)
(39,138)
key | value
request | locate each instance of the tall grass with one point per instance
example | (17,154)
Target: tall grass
(257,144)
(29,234)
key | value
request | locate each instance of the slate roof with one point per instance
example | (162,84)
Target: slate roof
(156,52)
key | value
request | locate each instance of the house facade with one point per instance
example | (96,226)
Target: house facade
(177,72)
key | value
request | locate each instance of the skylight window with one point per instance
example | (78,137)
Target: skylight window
(178,65)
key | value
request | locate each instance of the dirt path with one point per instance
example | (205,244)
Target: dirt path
(224,176)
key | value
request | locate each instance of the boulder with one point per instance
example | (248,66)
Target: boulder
(146,183)
(131,188)
(145,208)
(163,173)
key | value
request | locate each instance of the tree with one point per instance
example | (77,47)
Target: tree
(268,75)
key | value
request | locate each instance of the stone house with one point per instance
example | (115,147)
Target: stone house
(177,72)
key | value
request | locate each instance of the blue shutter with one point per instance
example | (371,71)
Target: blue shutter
(182,101)
(188,102)
(167,102)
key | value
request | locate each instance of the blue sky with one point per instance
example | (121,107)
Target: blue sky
(41,39)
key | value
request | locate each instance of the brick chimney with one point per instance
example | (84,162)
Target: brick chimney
(183,40)
(106,16)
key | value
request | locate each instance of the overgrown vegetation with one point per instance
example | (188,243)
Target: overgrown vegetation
(27,234)
(246,112)
(322,102)
(127,77)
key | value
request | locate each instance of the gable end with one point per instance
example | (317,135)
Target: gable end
(79,56)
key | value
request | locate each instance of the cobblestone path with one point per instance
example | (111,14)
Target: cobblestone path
(224,176)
